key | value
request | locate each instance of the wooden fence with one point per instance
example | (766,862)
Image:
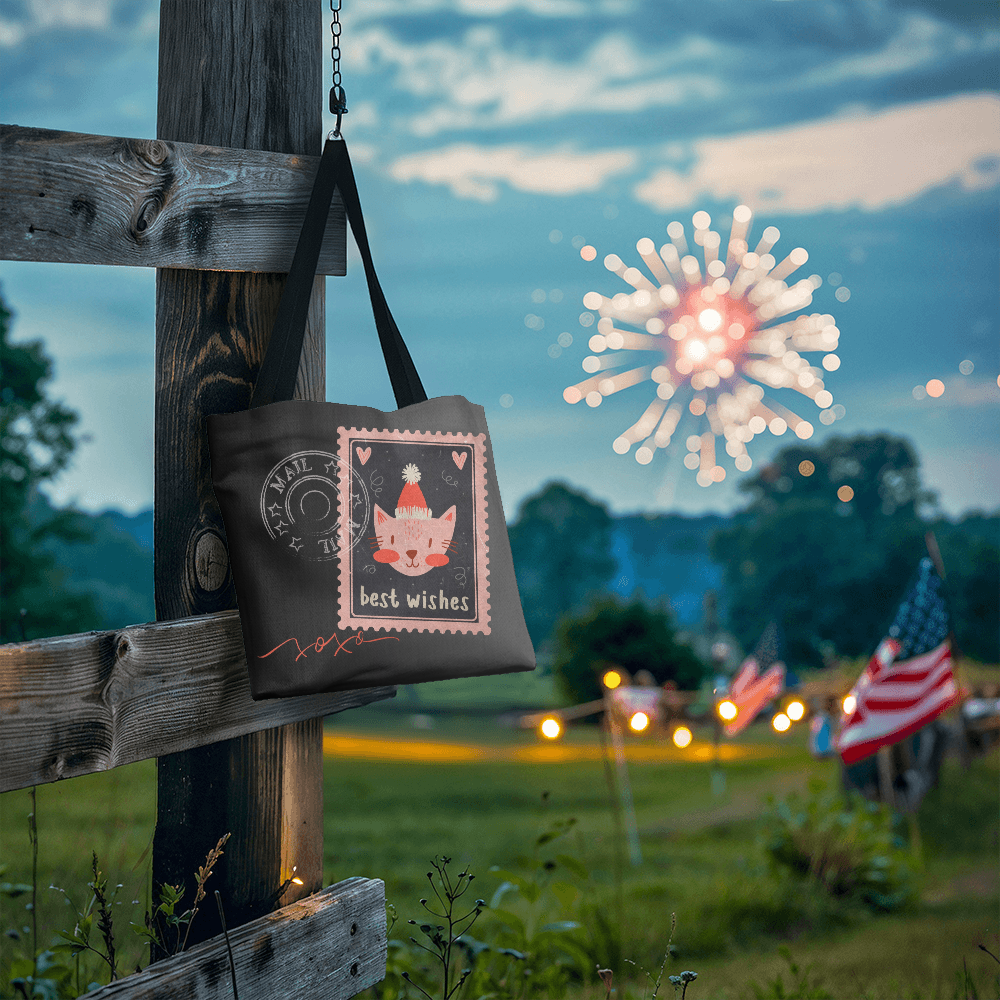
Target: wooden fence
(214,203)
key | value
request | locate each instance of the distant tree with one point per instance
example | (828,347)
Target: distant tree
(561,543)
(37,439)
(970,550)
(829,569)
(629,634)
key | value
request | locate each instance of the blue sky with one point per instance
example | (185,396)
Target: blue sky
(494,138)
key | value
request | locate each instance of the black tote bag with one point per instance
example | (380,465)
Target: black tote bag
(366,547)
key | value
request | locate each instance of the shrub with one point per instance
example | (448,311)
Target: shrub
(630,634)
(853,852)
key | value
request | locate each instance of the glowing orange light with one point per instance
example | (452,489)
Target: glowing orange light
(806,468)
(639,722)
(845,494)
(781,723)
(682,737)
(850,704)
(551,728)
(297,881)
(795,711)
(611,679)
(935,387)
(728,710)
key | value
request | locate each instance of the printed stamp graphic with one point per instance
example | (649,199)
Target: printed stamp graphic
(424,565)
(308,508)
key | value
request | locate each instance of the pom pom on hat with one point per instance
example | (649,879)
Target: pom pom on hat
(411,500)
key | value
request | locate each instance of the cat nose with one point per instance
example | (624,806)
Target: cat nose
(411,552)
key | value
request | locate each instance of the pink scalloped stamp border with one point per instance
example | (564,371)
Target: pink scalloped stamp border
(350,438)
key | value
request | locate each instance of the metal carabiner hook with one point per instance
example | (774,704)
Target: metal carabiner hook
(338,107)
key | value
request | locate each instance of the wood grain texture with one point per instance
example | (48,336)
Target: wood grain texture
(328,947)
(236,74)
(91,702)
(93,199)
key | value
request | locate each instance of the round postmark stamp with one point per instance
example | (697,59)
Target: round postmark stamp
(309,505)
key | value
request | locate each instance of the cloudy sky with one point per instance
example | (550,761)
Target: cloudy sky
(494,139)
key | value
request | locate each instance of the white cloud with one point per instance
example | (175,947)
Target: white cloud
(921,41)
(477,83)
(473,171)
(868,161)
(43,15)
(378,9)
(74,15)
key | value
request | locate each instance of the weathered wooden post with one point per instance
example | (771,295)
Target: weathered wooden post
(244,74)
(220,223)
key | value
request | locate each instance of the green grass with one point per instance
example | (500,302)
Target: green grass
(700,856)
(112,814)
(497,693)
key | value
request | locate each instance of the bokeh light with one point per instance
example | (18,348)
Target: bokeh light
(806,468)
(682,737)
(639,722)
(611,679)
(935,388)
(795,710)
(845,494)
(588,252)
(728,710)
(966,367)
(781,723)
(850,704)
(551,728)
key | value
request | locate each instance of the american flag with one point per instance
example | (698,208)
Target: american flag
(751,690)
(909,681)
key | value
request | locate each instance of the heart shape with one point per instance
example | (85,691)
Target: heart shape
(364,454)
(460,457)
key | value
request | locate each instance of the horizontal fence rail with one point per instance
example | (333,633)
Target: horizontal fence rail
(90,702)
(328,946)
(66,197)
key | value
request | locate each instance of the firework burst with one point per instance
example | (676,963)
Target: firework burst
(711,336)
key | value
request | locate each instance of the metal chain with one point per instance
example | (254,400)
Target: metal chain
(338,98)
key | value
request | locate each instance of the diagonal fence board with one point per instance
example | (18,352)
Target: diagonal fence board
(328,946)
(90,702)
(66,197)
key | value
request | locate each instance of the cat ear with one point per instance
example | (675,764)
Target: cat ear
(449,514)
(380,515)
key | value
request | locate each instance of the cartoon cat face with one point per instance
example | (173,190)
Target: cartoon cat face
(413,546)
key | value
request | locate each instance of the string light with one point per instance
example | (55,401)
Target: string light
(639,722)
(551,728)
(714,339)
(781,723)
(682,737)
(727,710)
(611,679)
(795,711)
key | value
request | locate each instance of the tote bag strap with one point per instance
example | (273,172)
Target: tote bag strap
(276,379)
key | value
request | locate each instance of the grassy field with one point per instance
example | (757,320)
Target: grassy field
(701,856)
